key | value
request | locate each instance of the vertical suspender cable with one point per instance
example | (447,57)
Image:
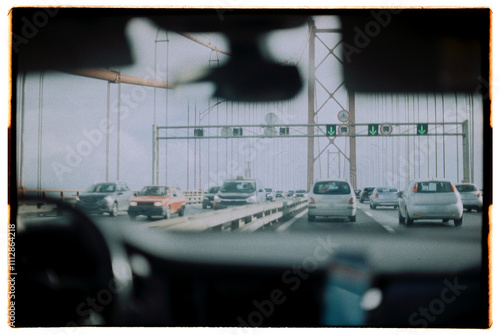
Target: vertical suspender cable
(40,131)
(107,128)
(471,116)
(428,144)
(187,165)
(118,132)
(435,136)
(456,120)
(444,139)
(166,115)
(21,137)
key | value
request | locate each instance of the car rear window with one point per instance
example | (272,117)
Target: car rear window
(386,190)
(434,187)
(332,187)
(466,188)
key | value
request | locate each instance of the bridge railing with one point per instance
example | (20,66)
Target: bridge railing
(242,218)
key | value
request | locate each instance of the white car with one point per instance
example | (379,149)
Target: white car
(471,197)
(334,198)
(384,196)
(430,199)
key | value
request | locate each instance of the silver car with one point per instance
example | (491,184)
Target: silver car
(430,199)
(384,196)
(471,197)
(333,198)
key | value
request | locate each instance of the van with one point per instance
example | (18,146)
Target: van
(334,198)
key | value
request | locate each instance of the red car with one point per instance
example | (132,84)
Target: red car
(157,200)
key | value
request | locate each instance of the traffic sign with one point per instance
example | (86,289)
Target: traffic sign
(344,130)
(343,116)
(385,129)
(284,131)
(331,130)
(422,128)
(372,129)
(237,131)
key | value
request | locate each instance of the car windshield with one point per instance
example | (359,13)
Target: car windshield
(102,188)
(314,102)
(214,189)
(155,190)
(466,188)
(332,187)
(238,187)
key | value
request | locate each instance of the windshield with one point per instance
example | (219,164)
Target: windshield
(214,189)
(314,103)
(102,188)
(238,187)
(155,190)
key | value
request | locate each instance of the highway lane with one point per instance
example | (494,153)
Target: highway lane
(385,220)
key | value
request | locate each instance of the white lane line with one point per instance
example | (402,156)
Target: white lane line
(291,222)
(386,227)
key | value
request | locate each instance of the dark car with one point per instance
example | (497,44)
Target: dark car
(105,198)
(365,194)
(208,198)
(357,192)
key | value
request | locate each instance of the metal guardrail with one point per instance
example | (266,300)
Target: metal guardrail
(243,218)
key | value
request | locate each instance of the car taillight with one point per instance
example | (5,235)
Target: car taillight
(479,194)
(453,188)
(376,195)
(415,188)
(351,201)
(311,201)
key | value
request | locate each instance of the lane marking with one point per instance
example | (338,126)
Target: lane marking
(386,227)
(291,222)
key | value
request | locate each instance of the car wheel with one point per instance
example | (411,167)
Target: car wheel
(311,218)
(445,220)
(166,216)
(395,207)
(479,209)
(181,211)
(132,216)
(469,209)
(362,201)
(374,206)
(114,209)
(458,222)
(408,221)
(352,218)
(401,219)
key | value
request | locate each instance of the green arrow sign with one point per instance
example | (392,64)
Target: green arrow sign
(372,129)
(331,130)
(422,129)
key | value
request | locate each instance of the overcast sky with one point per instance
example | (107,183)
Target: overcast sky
(74,109)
